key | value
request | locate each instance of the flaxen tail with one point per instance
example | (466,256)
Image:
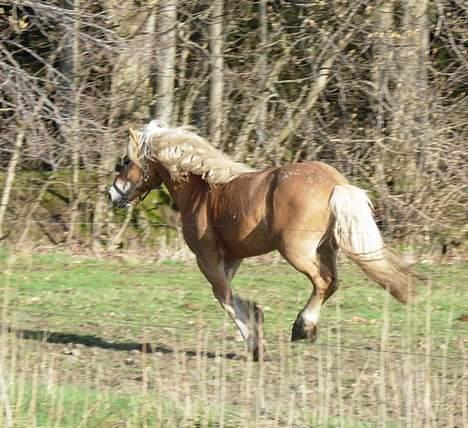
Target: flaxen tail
(357,235)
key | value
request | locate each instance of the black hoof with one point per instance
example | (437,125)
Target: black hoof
(300,332)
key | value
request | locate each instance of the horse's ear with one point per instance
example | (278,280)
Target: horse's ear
(134,137)
(132,148)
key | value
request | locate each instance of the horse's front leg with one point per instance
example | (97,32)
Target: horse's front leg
(247,316)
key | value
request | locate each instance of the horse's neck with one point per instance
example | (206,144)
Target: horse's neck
(187,195)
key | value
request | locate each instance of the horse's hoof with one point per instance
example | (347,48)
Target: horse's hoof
(300,332)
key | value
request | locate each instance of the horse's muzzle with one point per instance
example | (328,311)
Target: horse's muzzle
(117,197)
(121,203)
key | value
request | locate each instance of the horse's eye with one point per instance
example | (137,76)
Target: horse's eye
(125,160)
(118,167)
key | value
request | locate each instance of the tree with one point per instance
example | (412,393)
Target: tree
(70,67)
(377,89)
(166,59)
(130,94)
(217,73)
(410,122)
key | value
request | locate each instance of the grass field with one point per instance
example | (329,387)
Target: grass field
(75,331)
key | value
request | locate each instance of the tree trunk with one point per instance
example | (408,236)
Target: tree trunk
(131,74)
(263,70)
(101,205)
(217,76)
(382,61)
(71,67)
(382,74)
(10,177)
(166,58)
(410,120)
(131,94)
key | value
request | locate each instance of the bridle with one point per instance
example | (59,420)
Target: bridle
(146,179)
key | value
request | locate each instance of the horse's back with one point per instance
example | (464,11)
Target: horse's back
(255,212)
(300,205)
(310,174)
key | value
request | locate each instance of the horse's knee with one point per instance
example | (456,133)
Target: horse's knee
(222,292)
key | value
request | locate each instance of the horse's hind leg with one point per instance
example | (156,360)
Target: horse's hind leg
(319,265)
(326,254)
(247,316)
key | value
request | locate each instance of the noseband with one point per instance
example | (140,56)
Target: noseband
(118,190)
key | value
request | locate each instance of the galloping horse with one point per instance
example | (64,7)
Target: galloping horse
(306,211)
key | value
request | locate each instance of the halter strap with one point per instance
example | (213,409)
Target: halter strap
(145,171)
(143,197)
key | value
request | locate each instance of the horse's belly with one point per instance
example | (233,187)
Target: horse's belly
(240,240)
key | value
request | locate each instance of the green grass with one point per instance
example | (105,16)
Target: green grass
(70,407)
(101,303)
(174,294)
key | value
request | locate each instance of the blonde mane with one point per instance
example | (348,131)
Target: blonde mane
(182,152)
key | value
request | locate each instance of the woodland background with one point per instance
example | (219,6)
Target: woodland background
(378,89)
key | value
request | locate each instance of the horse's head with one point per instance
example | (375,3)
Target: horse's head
(136,175)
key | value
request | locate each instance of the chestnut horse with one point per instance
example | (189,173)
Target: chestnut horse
(306,211)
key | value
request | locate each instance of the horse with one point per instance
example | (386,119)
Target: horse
(306,211)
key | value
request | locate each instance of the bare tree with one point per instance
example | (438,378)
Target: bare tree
(132,66)
(382,75)
(376,89)
(217,74)
(410,127)
(382,70)
(130,94)
(10,177)
(263,71)
(166,59)
(70,67)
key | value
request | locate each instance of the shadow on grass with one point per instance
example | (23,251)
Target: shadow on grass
(93,341)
